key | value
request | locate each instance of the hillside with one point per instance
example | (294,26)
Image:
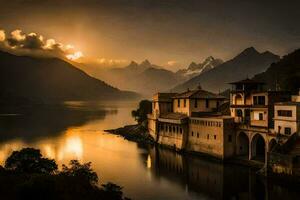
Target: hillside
(285,73)
(50,80)
(246,64)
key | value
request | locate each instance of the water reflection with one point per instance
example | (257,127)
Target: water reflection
(32,123)
(208,179)
(75,131)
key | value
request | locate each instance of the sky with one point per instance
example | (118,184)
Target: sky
(171,33)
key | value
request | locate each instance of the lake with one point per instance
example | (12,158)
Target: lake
(75,131)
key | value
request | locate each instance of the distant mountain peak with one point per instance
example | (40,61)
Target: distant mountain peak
(195,69)
(133,63)
(146,62)
(209,59)
(250,50)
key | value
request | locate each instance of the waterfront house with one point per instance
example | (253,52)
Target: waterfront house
(192,121)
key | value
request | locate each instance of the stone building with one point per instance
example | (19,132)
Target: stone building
(253,111)
(192,121)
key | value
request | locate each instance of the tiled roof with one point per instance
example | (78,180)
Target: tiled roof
(199,94)
(178,116)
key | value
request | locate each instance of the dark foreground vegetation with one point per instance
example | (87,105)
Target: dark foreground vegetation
(137,132)
(28,175)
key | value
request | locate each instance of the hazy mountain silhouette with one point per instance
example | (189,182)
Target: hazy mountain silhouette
(285,73)
(195,69)
(144,78)
(50,80)
(248,63)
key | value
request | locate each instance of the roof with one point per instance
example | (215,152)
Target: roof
(163,96)
(199,94)
(177,116)
(247,81)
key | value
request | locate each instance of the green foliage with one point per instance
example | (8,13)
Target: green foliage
(29,160)
(140,115)
(83,171)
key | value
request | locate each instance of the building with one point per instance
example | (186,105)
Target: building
(192,121)
(253,111)
(287,118)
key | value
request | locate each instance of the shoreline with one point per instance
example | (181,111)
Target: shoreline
(135,133)
(139,134)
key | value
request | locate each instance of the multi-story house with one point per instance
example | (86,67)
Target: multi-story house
(253,110)
(194,123)
(192,120)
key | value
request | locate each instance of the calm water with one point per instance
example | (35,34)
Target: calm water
(75,131)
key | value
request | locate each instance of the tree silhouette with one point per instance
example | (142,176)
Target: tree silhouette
(30,160)
(83,171)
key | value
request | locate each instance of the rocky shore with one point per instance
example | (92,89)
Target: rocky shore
(136,133)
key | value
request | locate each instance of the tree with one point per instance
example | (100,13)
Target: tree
(30,160)
(140,115)
(112,191)
(83,171)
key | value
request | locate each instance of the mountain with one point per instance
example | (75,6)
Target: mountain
(50,80)
(285,74)
(144,78)
(195,69)
(246,64)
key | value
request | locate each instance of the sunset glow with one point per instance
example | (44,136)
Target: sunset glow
(75,56)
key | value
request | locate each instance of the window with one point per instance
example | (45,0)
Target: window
(229,138)
(174,129)
(287,131)
(215,137)
(197,135)
(180,130)
(177,129)
(170,129)
(218,104)
(192,133)
(206,103)
(178,103)
(184,103)
(259,100)
(208,136)
(279,129)
(261,116)
(258,116)
(284,113)
(196,103)
(239,113)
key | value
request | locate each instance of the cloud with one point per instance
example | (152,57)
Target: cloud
(2,35)
(112,62)
(172,63)
(34,44)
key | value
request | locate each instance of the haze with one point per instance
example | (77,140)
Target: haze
(171,33)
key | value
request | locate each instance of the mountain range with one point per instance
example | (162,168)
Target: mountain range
(144,78)
(50,80)
(246,64)
(195,69)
